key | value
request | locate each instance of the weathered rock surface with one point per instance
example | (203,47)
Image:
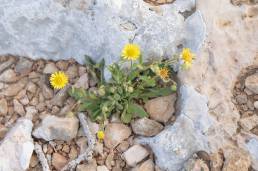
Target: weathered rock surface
(17,147)
(161,108)
(146,127)
(193,122)
(37,29)
(135,154)
(56,128)
(115,133)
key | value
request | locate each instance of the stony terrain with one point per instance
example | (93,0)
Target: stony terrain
(210,124)
(26,93)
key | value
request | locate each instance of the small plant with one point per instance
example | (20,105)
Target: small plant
(133,82)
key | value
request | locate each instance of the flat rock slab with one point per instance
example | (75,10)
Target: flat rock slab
(58,29)
(17,147)
(57,128)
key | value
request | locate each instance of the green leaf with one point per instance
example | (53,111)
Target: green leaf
(77,93)
(156,92)
(137,110)
(126,117)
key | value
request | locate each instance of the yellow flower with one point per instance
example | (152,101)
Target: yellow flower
(131,52)
(187,57)
(101,135)
(58,80)
(163,73)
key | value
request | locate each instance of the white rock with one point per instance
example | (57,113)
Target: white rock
(93,32)
(193,123)
(55,128)
(256,104)
(135,154)
(102,168)
(17,147)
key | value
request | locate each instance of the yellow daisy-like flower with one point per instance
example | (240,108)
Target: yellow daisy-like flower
(58,80)
(163,73)
(101,135)
(131,52)
(187,57)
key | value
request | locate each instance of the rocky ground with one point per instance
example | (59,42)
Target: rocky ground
(211,124)
(26,93)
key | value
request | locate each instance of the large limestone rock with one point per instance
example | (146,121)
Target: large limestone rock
(17,147)
(60,29)
(57,128)
(176,144)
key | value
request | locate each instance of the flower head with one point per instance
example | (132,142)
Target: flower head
(101,135)
(58,80)
(163,73)
(187,57)
(131,52)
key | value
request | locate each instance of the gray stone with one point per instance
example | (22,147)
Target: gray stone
(47,92)
(195,165)
(83,82)
(15,88)
(115,133)
(251,82)
(23,65)
(50,68)
(6,64)
(18,108)
(241,99)
(55,128)
(161,109)
(145,166)
(193,123)
(146,127)
(17,147)
(8,76)
(135,154)
(58,29)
